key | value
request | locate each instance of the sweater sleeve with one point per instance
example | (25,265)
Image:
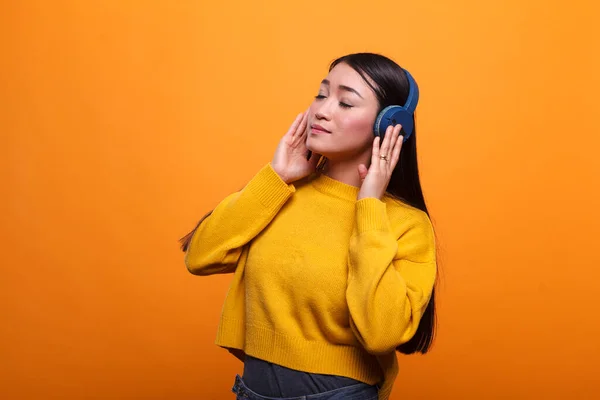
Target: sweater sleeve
(218,241)
(391,274)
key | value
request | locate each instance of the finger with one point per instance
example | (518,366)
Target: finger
(300,136)
(375,152)
(294,126)
(394,140)
(399,130)
(396,151)
(385,148)
(386,140)
(362,171)
(302,127)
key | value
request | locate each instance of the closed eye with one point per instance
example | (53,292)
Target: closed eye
(342,104)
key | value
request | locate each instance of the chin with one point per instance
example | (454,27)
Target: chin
(310,145)
(315,148)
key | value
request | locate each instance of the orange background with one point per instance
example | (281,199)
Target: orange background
(123,122)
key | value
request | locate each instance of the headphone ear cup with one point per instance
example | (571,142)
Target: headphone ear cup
(380,126)
(405,118)
(384,119)
(393,115)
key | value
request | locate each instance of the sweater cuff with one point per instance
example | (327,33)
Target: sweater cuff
(269,188)
(371,214)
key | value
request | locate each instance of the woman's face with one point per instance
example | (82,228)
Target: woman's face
(341,118)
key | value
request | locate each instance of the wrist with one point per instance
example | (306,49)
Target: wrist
(367,195)
(281,175)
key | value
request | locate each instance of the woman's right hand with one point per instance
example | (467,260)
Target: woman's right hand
(290,159)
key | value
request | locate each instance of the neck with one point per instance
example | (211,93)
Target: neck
(345,171)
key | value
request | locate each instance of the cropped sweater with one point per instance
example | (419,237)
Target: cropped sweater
(322,282)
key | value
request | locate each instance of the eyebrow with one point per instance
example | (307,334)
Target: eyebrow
(343,87)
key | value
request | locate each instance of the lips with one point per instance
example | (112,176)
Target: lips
(319,129)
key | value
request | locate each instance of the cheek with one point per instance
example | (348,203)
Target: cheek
(358,125)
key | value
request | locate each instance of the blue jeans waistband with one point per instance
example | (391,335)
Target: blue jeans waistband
(360,391)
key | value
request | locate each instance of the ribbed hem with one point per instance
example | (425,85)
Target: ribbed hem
(301,354)
(231,333)
(309,356)
(389,363)
(371,214)
(269,188)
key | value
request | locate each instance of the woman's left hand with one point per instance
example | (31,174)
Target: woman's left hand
(374,181)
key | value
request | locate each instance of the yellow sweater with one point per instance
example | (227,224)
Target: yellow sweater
(322,283)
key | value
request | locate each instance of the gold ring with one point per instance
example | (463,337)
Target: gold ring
(384,157)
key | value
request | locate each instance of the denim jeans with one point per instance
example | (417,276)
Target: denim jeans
(359,391)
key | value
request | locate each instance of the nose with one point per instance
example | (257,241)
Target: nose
(324,109)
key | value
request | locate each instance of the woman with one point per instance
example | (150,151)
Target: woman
(331,248)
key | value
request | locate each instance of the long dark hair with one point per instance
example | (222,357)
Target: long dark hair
(390,84)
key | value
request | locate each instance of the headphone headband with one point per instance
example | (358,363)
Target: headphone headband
(396,114)
(413,93)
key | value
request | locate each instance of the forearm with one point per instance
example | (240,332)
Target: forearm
(218,241)
(390,277)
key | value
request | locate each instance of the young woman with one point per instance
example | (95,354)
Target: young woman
(331,248)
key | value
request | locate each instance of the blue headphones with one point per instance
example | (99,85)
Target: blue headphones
(403,115)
